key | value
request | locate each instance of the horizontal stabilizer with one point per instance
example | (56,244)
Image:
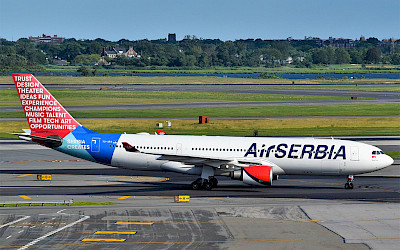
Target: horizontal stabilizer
(51,141)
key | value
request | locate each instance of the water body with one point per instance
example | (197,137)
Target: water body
(233,75)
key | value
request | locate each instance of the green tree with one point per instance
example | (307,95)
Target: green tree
(395,59)
(373,55)
(319,56)
(356,56)
(342,56)
(86,59)
(85,71)
(71,50)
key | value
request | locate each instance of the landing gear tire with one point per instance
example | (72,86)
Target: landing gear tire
(214,182)
(207,185)
(349,184)
(196,185)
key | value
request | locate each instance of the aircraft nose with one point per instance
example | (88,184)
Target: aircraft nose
(388,160)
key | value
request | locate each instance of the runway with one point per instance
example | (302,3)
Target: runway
(21,161)
(296,212)
(376,97)
(246,88)
(210,105)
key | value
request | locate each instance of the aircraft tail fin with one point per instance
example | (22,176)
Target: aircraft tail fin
(46,116)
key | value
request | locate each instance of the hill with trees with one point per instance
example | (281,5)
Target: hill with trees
(195,53)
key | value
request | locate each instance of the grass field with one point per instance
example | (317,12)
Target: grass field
(99,97)
(389,88)
(260,111)
(266,127)
(323,69)
(192,80)
(394,155)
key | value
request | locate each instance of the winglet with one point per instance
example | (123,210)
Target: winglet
(128,147)
(160,132)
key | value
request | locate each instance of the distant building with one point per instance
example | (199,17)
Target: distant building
(112,52)
(47,39)
(60,62)
(171,37)
(341,43)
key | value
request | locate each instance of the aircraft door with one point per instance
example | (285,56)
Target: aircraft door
(179,148)
(330,167)
(354,153)
(95,147)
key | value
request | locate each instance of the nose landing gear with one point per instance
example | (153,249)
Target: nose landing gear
(349,184)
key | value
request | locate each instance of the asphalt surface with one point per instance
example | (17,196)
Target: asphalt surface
(248,88)
(377,97)
(209,105)
(73,176)
(297,212)
(205,223)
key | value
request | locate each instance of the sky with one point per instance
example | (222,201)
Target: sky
(213,19)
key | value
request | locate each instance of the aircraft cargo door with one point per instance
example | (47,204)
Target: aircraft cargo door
(354,153)
(330,167)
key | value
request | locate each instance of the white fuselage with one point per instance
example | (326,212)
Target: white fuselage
(300,156)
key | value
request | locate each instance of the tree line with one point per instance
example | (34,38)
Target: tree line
(192,52)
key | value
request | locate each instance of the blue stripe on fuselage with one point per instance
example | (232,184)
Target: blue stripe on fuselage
(90,145)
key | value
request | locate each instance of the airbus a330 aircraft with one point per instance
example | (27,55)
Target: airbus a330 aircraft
(252,160)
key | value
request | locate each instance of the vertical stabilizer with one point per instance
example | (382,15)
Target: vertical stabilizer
(45,115)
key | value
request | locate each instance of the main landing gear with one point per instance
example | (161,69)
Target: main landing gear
(201,183)
(349,184)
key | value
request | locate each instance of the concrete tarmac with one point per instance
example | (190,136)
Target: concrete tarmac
(297,212)
(376,97)
(247,88)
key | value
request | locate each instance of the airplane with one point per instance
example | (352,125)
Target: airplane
(252,160)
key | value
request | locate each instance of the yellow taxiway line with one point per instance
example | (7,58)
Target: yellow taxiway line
(25,197)
(133,223)
(115,232)
(123,197)
(23,175)
(111,240)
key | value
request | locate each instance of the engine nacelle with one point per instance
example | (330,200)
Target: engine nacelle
(254,175)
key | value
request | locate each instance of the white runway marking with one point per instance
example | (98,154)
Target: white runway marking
(13,222)
(53,232)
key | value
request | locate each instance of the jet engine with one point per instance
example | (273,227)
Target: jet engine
(254,175)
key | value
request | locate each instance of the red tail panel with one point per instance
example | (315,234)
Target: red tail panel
(44,113)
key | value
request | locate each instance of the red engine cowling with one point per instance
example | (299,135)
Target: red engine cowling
(254,175)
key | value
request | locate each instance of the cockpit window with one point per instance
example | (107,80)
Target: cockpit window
(382,152)
(374,152)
